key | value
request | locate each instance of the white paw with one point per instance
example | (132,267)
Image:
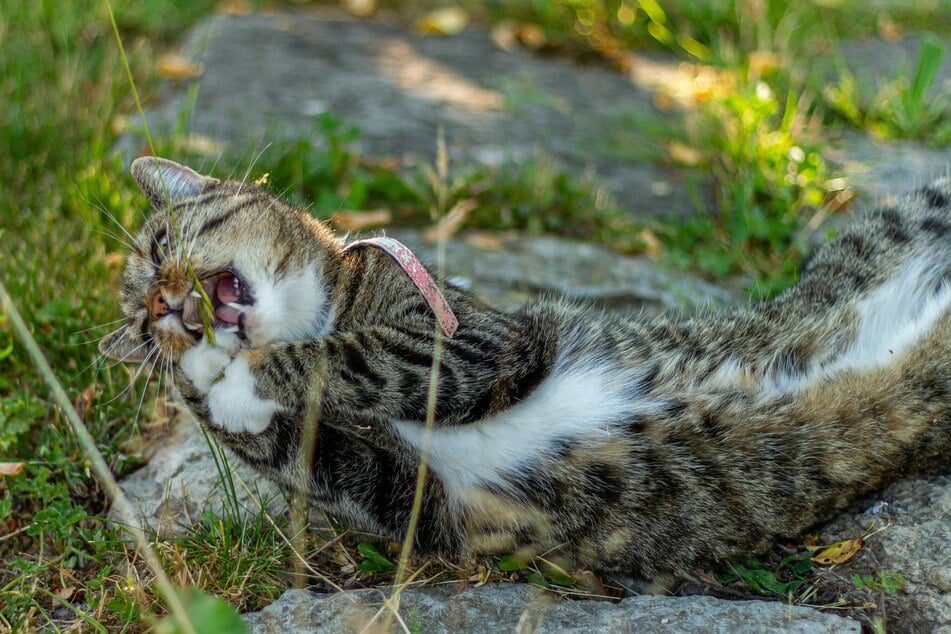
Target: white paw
(204,364)
(233,404)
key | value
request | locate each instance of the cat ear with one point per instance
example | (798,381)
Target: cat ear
(123,345)
(163,181)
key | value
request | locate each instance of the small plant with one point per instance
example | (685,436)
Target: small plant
(900,109)
(329,174)
(375,559)
(783,580)
(770,181)
(888,582)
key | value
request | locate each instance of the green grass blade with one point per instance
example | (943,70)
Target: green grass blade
(99,466)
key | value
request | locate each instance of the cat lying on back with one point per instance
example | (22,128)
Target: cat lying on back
(641,445)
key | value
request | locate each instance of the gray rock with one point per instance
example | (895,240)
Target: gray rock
(527,268)
(524,608)
(873,61)
(181,481)
(881,170)
(913,518)
(399,88)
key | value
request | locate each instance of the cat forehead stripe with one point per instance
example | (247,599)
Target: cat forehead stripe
(415,270)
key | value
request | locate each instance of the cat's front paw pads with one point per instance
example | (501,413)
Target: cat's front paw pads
(204,364)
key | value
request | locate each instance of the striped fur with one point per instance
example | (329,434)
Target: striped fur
(641,445)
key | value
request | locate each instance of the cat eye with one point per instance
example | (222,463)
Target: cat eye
(159,245)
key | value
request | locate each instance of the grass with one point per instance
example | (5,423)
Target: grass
(752,147)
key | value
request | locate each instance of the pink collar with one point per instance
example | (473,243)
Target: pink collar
(415,270)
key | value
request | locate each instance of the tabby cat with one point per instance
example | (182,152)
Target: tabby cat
(639,445)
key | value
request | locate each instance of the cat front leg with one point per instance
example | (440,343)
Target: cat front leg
(224,380)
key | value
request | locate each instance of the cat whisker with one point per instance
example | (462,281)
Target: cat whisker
(98,204)
(98,326)
(145,388)
(250,167)
(115,236)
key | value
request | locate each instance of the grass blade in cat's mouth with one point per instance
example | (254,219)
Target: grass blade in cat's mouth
(229,297)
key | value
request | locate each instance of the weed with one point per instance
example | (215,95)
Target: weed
(786,580)
(900,109)
(770,181)
(888,582)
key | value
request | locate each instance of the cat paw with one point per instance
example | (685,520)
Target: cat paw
(204,364)
(233,402)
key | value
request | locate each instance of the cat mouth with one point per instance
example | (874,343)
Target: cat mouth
(230,299)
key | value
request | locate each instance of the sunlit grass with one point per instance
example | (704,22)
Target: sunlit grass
(66,205)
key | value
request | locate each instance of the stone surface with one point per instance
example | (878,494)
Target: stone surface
(520,269)
(523,608)
(913,518)
(181,481)
(399,88)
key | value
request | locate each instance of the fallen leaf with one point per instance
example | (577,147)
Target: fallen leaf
(531,35)
(178,68)
(443,21)
(361,8)
(591,582)
(652,246)
(10,468)
(505,35)
(198,144)
(839,552)
(234,7)
(84,401)
(449,224)
(888,29)
(484,240)
(360,220)
(763,62)
(684,154)
(663,101)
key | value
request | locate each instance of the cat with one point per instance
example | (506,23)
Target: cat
(643,445)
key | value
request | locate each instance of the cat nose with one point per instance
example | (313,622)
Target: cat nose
(160,306)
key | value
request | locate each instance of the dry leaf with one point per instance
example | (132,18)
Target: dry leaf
(531,35)
(234,7)
(590,582)
(361,8)
(449,224)
(10,468)
(178,68)
(444,21)
(663,101)
(360,220)
(198,144)
(505,35)
(113,259)
(84,401)
(888,29)
(811,541)
(839,552)
(763,62)
(652,247)
(684,154)
(484,240)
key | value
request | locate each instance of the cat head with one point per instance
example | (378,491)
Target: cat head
(265,266)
